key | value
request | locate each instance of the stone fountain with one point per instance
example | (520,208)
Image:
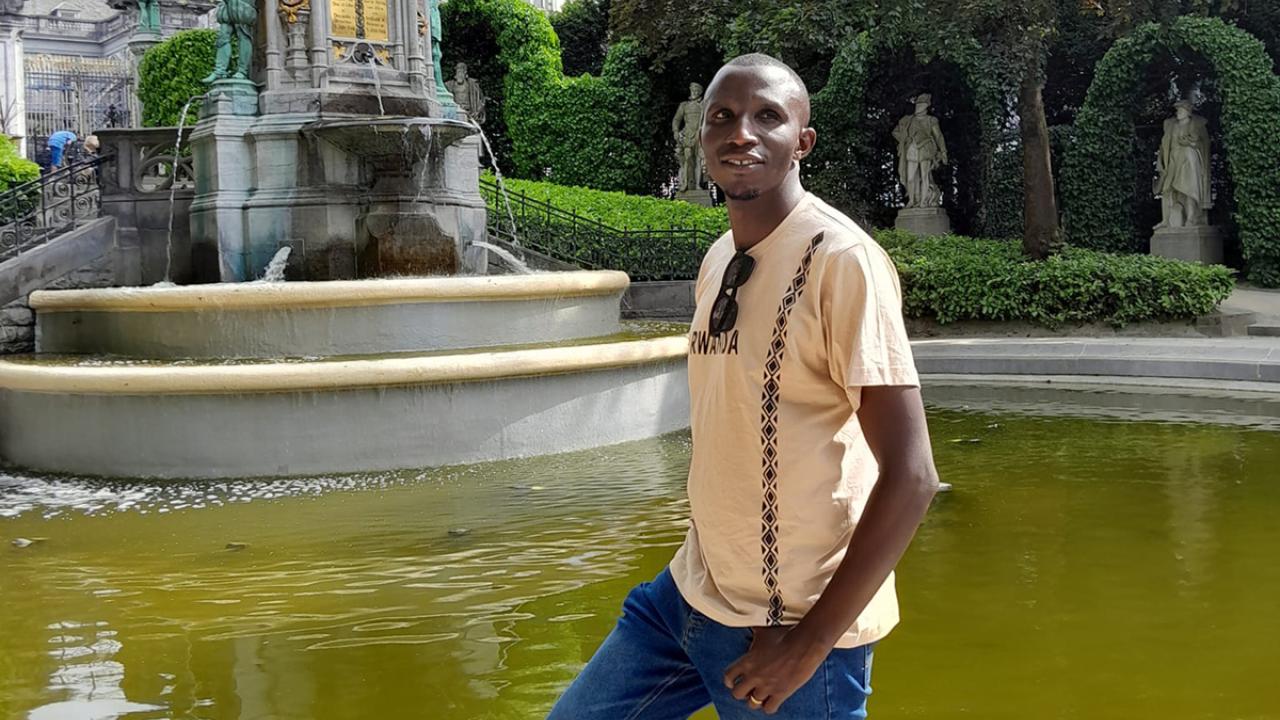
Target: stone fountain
(339,145)
(338,142)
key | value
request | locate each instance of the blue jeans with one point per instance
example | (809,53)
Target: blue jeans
(666,661)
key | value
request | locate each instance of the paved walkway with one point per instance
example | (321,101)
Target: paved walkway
(1254,361)
(1265,303)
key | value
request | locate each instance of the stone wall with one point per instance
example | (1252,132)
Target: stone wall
(18,323)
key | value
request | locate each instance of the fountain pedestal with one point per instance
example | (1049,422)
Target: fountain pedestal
(338,150)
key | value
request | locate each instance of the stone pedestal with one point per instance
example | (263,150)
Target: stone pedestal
(923,221)
(224,163)
(697,197)
(1198,243)
(139,44)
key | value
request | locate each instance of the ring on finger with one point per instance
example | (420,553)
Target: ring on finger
(751,698)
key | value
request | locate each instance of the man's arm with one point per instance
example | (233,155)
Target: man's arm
(783,659)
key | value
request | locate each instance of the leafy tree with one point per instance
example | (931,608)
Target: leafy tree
(583,29)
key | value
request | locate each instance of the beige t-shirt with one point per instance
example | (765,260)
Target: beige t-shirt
(781,471)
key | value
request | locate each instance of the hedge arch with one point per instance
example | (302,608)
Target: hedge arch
(591,131)
(1097,191)
(839,116)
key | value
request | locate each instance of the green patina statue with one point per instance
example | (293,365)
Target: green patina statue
(235,18)
(149,16)
(437,52)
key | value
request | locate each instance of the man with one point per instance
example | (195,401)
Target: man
(60,144)
(685,125)
(811,463)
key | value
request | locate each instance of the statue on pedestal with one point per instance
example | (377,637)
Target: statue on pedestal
(920,148)
(686,126)
(467,93)
(147,11)
(236,18)
(1182,168)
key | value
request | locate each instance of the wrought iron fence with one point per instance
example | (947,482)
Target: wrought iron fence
(33,213)
(79,94)
(644,254)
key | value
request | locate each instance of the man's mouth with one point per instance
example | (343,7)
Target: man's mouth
(741,162)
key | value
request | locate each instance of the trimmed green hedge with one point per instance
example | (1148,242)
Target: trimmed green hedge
(620,210)
(15,169)
(956,278)
(947,279)
(1097,181)
(172,73)
(587,130)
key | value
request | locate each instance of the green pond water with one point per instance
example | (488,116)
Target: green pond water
(1082,568)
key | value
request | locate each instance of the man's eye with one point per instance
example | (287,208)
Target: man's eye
(770,115)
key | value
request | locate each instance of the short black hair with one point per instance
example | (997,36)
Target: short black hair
(762,60)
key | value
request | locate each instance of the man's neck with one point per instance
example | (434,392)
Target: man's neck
(753,220)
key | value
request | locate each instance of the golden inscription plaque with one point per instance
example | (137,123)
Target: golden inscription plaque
(375,20)
(343,14)
(362,19)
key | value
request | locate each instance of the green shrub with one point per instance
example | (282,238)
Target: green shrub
(623,211)
(15,169)
(648,238)
(173,72)
(590,130)
(956,278)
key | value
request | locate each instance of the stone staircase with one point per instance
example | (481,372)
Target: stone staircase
(1264,304)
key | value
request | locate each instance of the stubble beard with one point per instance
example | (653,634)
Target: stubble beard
(744,196)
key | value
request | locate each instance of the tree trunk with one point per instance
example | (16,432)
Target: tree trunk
(1040,231)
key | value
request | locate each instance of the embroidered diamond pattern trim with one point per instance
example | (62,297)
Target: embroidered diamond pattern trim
(769,434)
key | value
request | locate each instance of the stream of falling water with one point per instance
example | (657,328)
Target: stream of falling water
(173,188)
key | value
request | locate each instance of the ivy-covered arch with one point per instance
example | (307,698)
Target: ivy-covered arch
(589,130)
(840,113)
(1097,189)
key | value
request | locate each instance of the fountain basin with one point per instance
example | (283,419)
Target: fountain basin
(404,139)
(226,421)
(298,319)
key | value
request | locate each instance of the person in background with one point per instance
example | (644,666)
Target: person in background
(59,144)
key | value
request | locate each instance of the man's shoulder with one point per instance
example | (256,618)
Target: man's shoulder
(840,232)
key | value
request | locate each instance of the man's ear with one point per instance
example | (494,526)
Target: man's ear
(808,138)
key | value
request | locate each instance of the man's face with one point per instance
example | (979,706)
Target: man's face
(922,108)
(1183,113)
(695,91)
(460,72)
(753,132)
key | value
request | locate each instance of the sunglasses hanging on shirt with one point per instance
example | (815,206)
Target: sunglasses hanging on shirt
(724,312)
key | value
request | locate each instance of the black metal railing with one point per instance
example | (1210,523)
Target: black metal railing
(644,254)
(33,213)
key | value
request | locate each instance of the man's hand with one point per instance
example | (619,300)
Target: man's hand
(777,664)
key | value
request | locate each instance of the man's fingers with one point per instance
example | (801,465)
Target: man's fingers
(774,702)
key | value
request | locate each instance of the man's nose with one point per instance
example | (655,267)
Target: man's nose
(743,133)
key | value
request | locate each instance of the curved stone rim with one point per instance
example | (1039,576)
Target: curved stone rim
(335,375)
(335,293)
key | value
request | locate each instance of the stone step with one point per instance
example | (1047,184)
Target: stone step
(1265,330)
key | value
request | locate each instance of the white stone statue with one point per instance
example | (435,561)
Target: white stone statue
(1182,168)
(920,149)
(467,93)
(686,126)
